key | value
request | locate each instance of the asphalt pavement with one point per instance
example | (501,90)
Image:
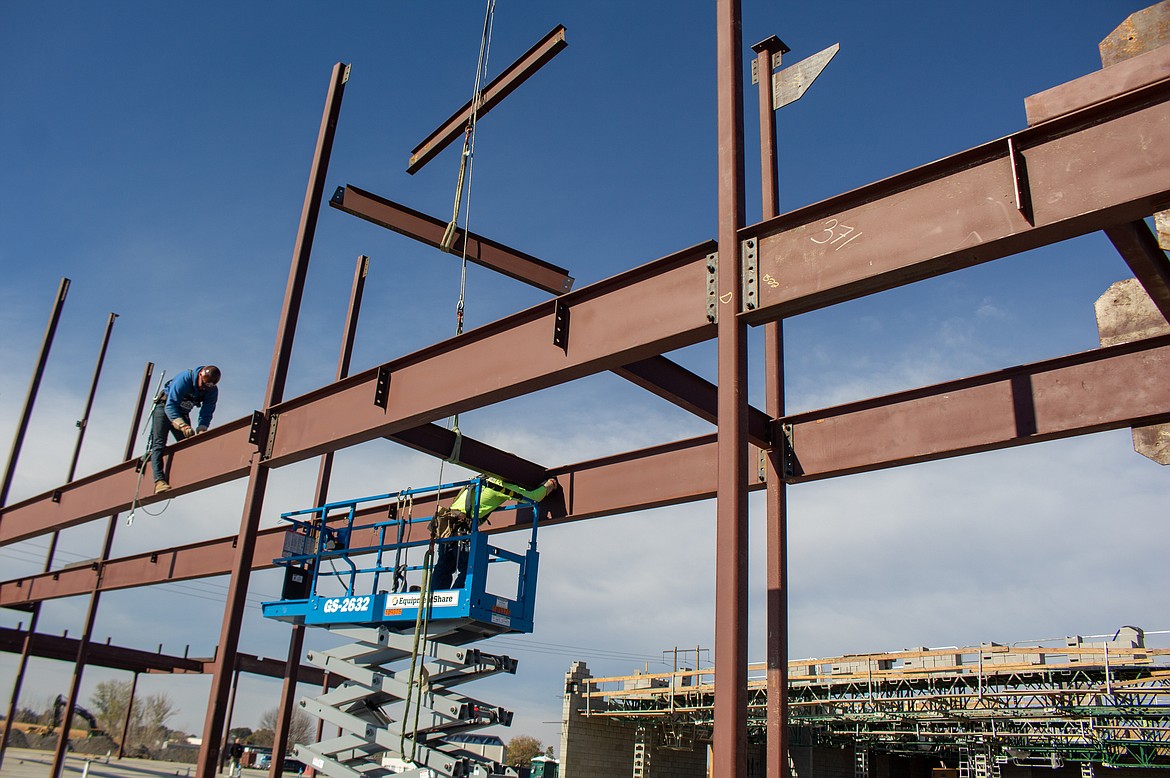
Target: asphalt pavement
(27,763)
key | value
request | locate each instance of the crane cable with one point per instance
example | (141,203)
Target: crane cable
(466,169)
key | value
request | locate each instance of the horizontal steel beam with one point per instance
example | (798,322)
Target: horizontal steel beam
(138,661)
(680,386)
(1119,151)
(429,230)
(1102,389)
(1099,167)
(500,87)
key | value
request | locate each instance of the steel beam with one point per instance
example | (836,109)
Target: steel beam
(1094,88)
(1097,168)
(429,230)
(500,87)
(1139,248)
(1107,388)
(768,55)
(676,384)
(296,639)
(31,397)
(258,472)
(729,738)
(661,306)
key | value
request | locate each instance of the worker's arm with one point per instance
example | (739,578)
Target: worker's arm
(207,409)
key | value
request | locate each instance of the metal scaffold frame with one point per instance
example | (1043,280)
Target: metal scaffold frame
(1066,175)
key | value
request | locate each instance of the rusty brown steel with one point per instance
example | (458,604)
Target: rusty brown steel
(1139,247)
(500,87)
(429,230)
(960,211)
(31,398)
(1107,388)
(662,303)
(768,56)
(83,645)
(683,471)
(296,639)
(729,738)
(1098,87)
(258,471)
(672,382)
(9,472)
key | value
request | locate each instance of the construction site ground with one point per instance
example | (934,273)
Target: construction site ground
(30,763)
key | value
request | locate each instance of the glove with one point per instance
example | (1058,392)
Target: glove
(200,430)
(551,485)
(183,427)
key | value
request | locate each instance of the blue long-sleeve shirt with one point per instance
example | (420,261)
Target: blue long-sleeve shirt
(183,394)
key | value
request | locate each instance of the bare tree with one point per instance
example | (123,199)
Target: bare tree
(300,728)
(147,719)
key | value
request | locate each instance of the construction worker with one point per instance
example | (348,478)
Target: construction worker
(172,414)
(451,566)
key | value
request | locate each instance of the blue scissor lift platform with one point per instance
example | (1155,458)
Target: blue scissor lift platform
(361,569)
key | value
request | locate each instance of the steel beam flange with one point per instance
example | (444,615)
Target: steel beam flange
(713,287)
(749,263)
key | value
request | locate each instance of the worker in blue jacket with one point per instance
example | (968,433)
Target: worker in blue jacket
(172,414)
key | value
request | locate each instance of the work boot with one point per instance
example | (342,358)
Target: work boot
(161,486)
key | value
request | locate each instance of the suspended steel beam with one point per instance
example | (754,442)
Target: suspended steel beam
(661,306)
(1102,389)
(500,87)
(656,374)
(429,230)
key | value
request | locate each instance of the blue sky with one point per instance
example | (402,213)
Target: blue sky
(157,155)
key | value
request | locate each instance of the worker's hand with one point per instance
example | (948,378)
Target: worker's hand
(200,430)
(551,485)
(183,427)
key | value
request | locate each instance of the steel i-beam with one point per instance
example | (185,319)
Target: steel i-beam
(768,56)
(258,470)
(730,709)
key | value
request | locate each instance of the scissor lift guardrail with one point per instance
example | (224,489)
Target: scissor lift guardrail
(399,699)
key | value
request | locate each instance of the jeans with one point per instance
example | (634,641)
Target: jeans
(451,564)
(160,427)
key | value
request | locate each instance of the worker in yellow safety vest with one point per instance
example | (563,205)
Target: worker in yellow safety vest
(451,566)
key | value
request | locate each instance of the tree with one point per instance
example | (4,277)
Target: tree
(521,750)
(300,727)
(147,718)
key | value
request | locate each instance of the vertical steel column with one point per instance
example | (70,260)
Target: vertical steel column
(34,385)
(107,545)
(258,473)
(730,707)
(776,759)
(296,640)
(126,721)
(231,707)
(83,422)
(9,471)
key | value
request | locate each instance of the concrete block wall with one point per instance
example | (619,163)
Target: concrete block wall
(604,748)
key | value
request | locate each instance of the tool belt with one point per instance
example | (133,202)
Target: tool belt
(449,523)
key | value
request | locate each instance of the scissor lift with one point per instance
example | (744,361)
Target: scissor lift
(399,702)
